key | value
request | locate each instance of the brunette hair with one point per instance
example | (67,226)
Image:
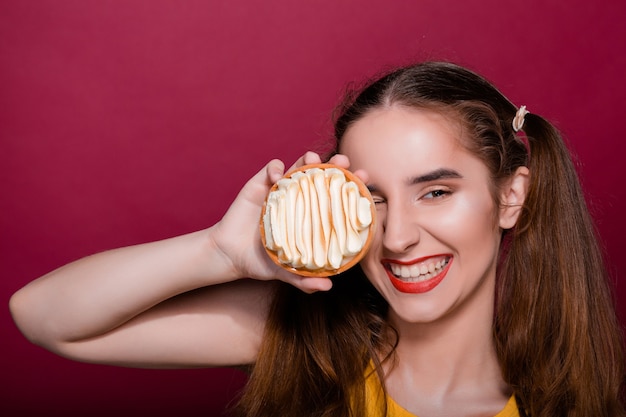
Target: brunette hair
(557,337)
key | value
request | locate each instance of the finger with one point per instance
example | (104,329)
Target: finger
(306,284)
(275,170)
(306,159)
(311,158)
(344,162)
(313,284)
(340,160)
(362,174)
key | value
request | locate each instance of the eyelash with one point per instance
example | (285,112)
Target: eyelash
(439,193)
(434,195)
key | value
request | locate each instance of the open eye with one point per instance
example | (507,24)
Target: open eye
(438,193)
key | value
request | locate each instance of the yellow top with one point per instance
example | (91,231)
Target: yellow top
(374,401)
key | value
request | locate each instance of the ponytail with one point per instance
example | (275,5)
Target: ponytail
(556,330)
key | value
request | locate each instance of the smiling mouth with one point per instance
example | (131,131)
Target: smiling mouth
(418,276)
(419,271)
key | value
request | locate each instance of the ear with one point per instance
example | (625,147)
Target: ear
(512,197)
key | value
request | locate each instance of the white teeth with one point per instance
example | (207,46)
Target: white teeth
(414,273)
(406,273)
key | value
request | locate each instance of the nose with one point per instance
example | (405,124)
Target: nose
(400,228)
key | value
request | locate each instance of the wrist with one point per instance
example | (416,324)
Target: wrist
(218,262)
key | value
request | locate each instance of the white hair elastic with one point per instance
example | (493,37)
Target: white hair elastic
(518,120)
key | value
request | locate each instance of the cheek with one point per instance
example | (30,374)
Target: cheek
(466,222)
(371,258)
(370,264)
(375,273)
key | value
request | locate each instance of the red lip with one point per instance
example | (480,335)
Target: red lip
(416,287)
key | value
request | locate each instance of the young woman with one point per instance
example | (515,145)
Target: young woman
(483,293)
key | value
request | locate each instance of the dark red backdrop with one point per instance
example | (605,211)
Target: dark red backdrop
(128,121)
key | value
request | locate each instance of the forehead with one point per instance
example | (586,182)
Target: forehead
(398,135)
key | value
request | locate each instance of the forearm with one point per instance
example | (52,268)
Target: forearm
(110,307)
(96,294)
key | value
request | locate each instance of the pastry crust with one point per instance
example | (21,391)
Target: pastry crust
(347,262)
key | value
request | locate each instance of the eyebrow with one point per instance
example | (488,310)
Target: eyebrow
(438,174)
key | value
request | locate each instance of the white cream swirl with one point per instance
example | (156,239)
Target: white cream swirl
(316,219)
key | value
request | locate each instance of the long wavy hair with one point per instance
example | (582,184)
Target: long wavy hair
(558,340)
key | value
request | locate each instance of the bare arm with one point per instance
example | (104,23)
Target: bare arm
(128,305)
(173,303)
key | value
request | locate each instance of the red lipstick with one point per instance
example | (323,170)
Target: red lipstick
(418,287)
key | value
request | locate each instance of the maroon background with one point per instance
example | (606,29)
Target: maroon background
(128,121)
